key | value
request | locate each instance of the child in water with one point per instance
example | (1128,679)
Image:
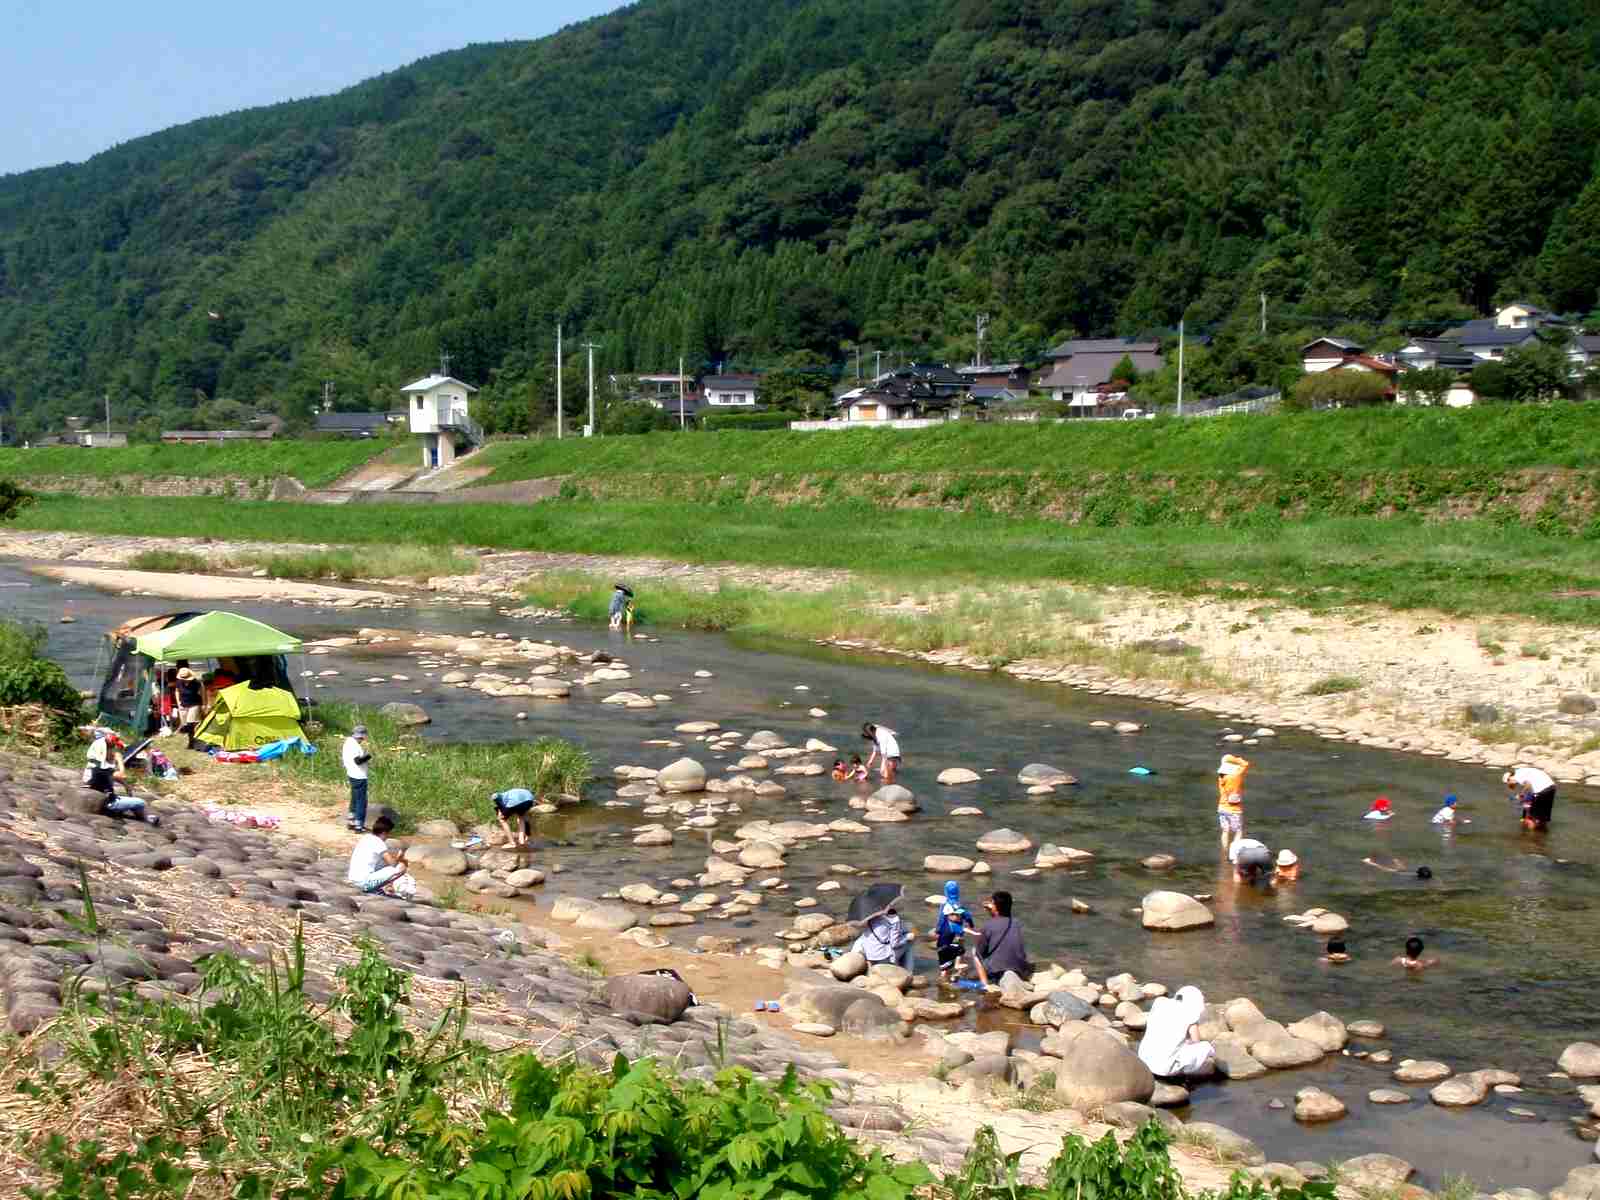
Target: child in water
(1288,868)
(1412,959)
(858,769)
(840,772)
(1336,952)
(949,935)
(1447,813)
(1381,810)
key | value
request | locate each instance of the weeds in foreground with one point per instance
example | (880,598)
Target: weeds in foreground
(1333,685)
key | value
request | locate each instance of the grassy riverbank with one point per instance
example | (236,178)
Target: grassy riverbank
(1352,442)
(314,463)
(448,780)
(345,564)
(1471,568)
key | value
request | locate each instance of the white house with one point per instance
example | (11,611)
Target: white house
(1519,314)
(731,391)
(436,407)
(1326,353)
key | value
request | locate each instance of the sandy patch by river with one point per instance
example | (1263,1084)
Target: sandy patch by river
(220,588)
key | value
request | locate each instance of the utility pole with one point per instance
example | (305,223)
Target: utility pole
(681,422)
(108,418)
(983,328)
(858,362)
(444,363)
(1263,314)
(558,381)
(878,372)
(1180,366)
(591,347)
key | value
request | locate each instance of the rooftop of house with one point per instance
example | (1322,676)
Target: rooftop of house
(1341,344)
(1076,346)
(1091,368)
(428,382)
(722,382)
(1372,364)
(333,422)
(990,369)
(1487,333)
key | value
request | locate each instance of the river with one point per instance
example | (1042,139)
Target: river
(1511,916)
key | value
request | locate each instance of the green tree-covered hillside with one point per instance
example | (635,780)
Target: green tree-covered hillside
(737,182)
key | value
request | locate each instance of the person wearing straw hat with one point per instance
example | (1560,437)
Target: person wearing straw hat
(1288,867)
(1230,798)
(190,696)
(356,754)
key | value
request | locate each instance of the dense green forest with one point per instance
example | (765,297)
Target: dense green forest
(778,181)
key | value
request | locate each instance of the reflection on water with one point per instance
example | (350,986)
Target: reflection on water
(1510,915)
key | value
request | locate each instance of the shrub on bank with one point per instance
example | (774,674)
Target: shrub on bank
(29,681)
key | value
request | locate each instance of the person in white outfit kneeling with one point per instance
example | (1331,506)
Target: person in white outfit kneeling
(1171,1045)
(373,866)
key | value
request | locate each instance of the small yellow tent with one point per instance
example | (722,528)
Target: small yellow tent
(244,717)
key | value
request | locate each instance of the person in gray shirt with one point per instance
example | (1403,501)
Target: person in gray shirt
(999,947)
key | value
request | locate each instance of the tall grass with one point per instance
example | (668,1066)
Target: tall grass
(453,780)
(1474,568)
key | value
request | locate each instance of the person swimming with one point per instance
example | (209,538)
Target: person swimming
(840,772)
(1412,959)
(1336,952)
(1381,810)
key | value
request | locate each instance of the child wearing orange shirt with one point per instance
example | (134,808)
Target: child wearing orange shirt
(1230,798)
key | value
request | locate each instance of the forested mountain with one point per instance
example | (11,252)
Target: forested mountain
(742,180)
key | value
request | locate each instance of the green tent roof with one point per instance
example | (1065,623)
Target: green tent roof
(214,635)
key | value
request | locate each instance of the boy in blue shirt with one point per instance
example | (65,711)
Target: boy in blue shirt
(949,935)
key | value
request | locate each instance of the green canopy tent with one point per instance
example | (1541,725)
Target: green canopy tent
(145,650)
(244,717)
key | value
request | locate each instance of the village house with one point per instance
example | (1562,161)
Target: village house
(1080,366)
(436,407)
(732,391)
(661,391)
(1326,353)
(1011,376)
(353,424)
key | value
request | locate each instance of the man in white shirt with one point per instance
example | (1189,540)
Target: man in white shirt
(373,866)
(1251,859)
(356,755)
(885,744)
(1536,790)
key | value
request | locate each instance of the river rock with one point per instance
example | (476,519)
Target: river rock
(1425,1071)
(847,966)
(1231,1147)
(1004,841)
(1374,1172)
(1576,704)
(1312,1104)
(1173,911)
(1367,1030)
(1329,923)
(1322,1029)
(1388,1096)
(1098,1068)
(658,836)
(1581,1060)
(946,864)
(658,996)
(1234,1061)
(764,856)
(891,974)
(684,775)
(525,877)
(813,1029)
(1169,1095)
(570,908)
(764,739)
(438,857)
(607,918)
(402,712)
(954,775)
(1581,1183)
(639,893)
(1042,774)
(1464,1090)
(482,883)
(697,727)
(813,922)
(1058,1008)
(438,829)
(1159,862)
(1279,1051)
(892,795)
(1052,855)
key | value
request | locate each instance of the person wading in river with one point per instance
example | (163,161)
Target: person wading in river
(885,743)
(1536,791)
(1230,798)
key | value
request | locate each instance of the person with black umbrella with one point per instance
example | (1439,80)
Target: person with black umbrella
(885,938)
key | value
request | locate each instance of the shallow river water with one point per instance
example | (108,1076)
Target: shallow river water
(1512,917)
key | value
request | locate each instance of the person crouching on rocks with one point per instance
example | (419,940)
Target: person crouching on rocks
(1171,1046)
(949,935)
(518,803)
(1000,947)
(373,866)
(105,767)
(886,939)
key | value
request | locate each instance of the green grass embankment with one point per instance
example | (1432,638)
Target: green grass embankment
(1467,567)
(1355,442)
(314,463)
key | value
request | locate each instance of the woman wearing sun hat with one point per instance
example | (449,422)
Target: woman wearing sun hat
(1288,868)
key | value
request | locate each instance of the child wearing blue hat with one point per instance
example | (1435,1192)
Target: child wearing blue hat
(949,935)
(1447,814)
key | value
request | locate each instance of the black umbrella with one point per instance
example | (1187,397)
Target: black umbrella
(876,900)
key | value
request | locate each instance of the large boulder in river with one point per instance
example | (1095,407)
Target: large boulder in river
(892,795)
(657,996)
(1322,1028)
(1173,911)
(403,713)
(1004,841)
(1098,1068)
(1581,1060)
(438,857)
(954,775)
(761,856)
(1043,775)
(685,775)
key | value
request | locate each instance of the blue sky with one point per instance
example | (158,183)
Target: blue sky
(86,76)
